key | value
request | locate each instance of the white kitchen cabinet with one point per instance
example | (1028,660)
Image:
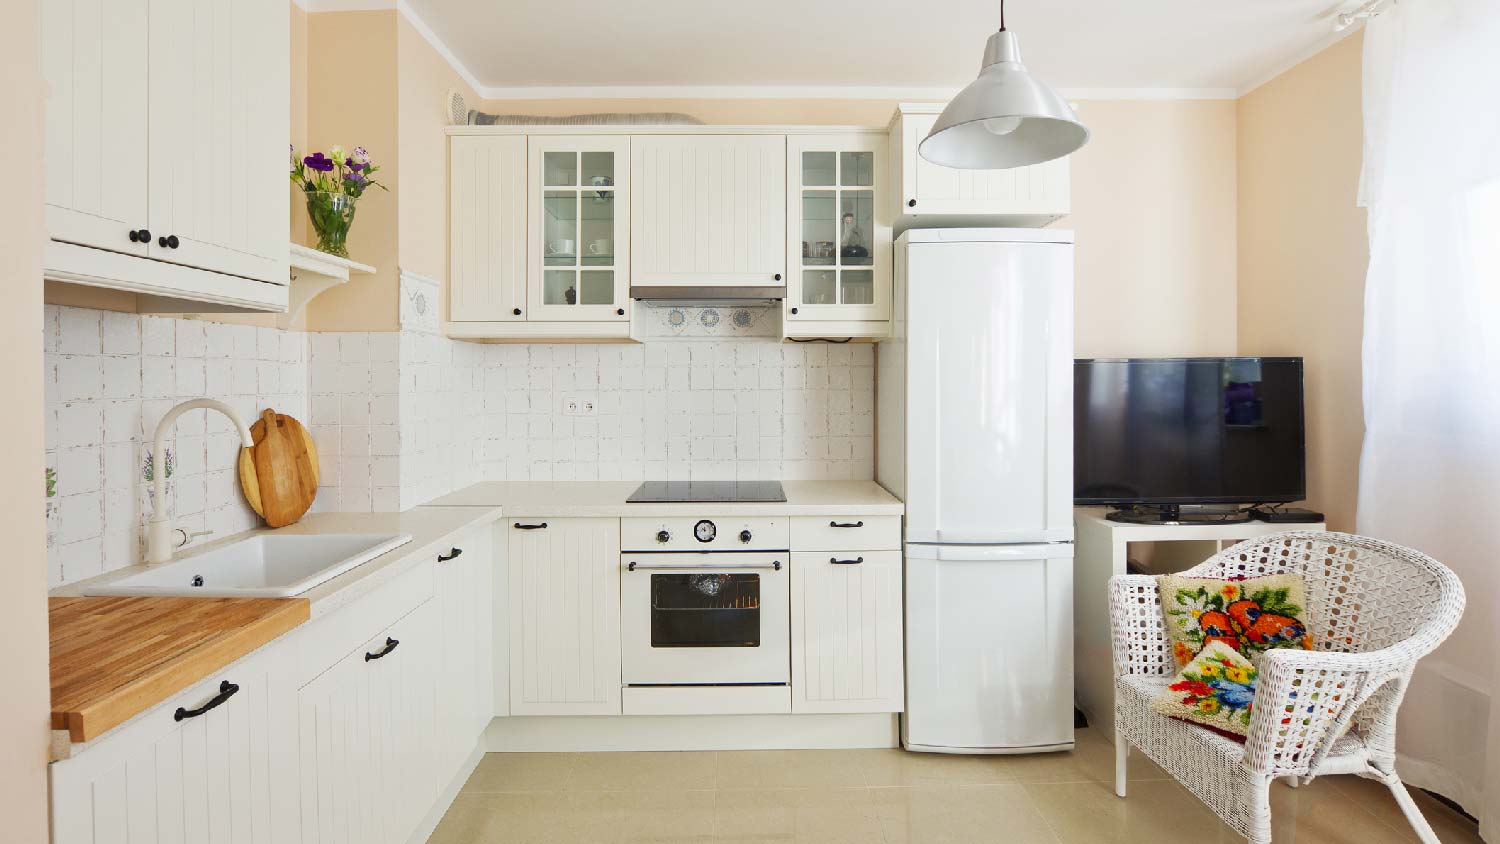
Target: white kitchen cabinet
(367,729)
(165,128)
(564,585)
(708,210)
(578,267)
(847,632)
(201,778)
(935,196)
(217,100)
(839,224)
(487,218)
(464,594)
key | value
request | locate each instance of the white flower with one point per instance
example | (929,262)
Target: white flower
(337,154)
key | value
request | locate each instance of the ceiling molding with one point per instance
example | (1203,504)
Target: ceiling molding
(1301,56)
(437,44)
(818,92)
(312,6)
(1148,93)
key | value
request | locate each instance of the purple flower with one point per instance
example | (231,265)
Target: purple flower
(354,166)
(356,177)
(361,155)
(320,162)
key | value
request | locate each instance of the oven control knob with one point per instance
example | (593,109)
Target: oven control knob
(705,531)
(744,536)
(663,537)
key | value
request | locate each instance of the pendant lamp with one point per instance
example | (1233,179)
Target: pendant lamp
(1005,118)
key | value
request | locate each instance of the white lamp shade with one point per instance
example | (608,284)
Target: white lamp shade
(1003,119)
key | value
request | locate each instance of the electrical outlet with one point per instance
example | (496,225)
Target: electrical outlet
(585,405)
(589,408)
(571,406)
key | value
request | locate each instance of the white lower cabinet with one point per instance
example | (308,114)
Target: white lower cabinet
(176,777)
(366,734)
(464,593)
(846,632)
(564,618)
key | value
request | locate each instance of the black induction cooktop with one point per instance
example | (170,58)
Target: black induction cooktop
(714,492)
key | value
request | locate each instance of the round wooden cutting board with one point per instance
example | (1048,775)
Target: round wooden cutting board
(280,474)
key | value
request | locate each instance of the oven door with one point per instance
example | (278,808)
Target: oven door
(693,619)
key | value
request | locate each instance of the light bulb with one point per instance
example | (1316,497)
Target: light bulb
(1001,125)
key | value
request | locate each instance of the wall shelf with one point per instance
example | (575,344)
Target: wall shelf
(313,272)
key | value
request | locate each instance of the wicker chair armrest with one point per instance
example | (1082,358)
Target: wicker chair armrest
(1304,701)
(1138,631)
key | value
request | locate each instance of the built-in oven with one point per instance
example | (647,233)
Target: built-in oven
(707,606)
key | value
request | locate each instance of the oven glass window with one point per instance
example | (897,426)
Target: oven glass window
(705,610)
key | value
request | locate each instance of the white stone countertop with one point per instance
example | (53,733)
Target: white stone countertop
(561,499)
(428,527)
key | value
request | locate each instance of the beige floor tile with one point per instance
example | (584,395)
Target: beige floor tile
(615,816)
(512,818)
(1156,812)
(1318,813)
(522,772)
(1450,826)
(897,767)
(790,768)
(1091,760)
(812,815)
(960,813)
(643,772)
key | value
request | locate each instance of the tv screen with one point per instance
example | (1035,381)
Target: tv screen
(1188,431)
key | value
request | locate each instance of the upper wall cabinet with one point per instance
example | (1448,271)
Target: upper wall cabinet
(839,227)
(708,210)
(579,235)
(166,126)
(932,196)
(487,201)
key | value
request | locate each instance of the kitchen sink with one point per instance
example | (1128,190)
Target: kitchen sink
(261,566)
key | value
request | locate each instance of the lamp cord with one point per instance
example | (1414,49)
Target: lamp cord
(1002,15)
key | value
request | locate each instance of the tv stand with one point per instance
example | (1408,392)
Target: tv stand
(1178,514)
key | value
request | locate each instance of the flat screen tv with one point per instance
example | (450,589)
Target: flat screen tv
(1175,431)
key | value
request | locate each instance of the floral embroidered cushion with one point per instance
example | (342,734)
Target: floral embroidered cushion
(1250,615)
(1215,689)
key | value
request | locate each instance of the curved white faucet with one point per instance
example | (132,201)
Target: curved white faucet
(159,531)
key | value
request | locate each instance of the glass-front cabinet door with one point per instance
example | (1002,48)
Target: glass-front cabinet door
(837,221)
(579,228)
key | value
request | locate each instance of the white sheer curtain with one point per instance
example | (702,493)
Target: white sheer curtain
(1430,467)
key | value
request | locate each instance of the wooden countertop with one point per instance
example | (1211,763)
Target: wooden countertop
(113,658)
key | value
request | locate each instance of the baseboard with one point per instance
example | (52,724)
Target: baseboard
(449,794)
(579,733)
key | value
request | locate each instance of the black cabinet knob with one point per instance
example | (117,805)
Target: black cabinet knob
(145,236)
(911,203)
(794,310)
(744,536)
(135,236)
(517,311)
(170,241)
(663,536)
(620,311)
(140,236)
(777,276)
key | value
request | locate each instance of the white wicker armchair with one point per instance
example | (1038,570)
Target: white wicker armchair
(1373,609)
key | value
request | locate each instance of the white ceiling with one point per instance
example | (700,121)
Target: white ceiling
(907,47)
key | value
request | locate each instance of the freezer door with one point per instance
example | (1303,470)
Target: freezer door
(989,648)
(989,392)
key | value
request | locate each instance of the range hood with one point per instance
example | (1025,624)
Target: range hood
(701,294)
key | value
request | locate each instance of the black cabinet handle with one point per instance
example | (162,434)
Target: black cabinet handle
(620,311)
(455,553)
(390,645)
(911,203)
(226,691)
(854,562)
(846,524)
(517,311)
(519,526)
(170,241)
(794,310)
(135,236)
(140,236)
(777,276)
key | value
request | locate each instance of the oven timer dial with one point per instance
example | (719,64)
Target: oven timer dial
(705,531)
(663,537)
(745,536)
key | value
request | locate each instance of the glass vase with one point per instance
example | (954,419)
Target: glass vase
(331,215)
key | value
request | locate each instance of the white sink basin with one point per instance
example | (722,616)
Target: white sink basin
(262,566)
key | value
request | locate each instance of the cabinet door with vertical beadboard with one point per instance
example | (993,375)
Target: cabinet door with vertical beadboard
(464,593)
(94,63)
(564,616)
(1041,189)
(708,209)
(204,778)
(846,632)
(487,218)
(219,123)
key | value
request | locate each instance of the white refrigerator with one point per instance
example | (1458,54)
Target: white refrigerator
(975,402)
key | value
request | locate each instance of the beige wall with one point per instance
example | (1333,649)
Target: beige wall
(352,101)
(299,115)
(25,699)
(1153,209)
(1303,254)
